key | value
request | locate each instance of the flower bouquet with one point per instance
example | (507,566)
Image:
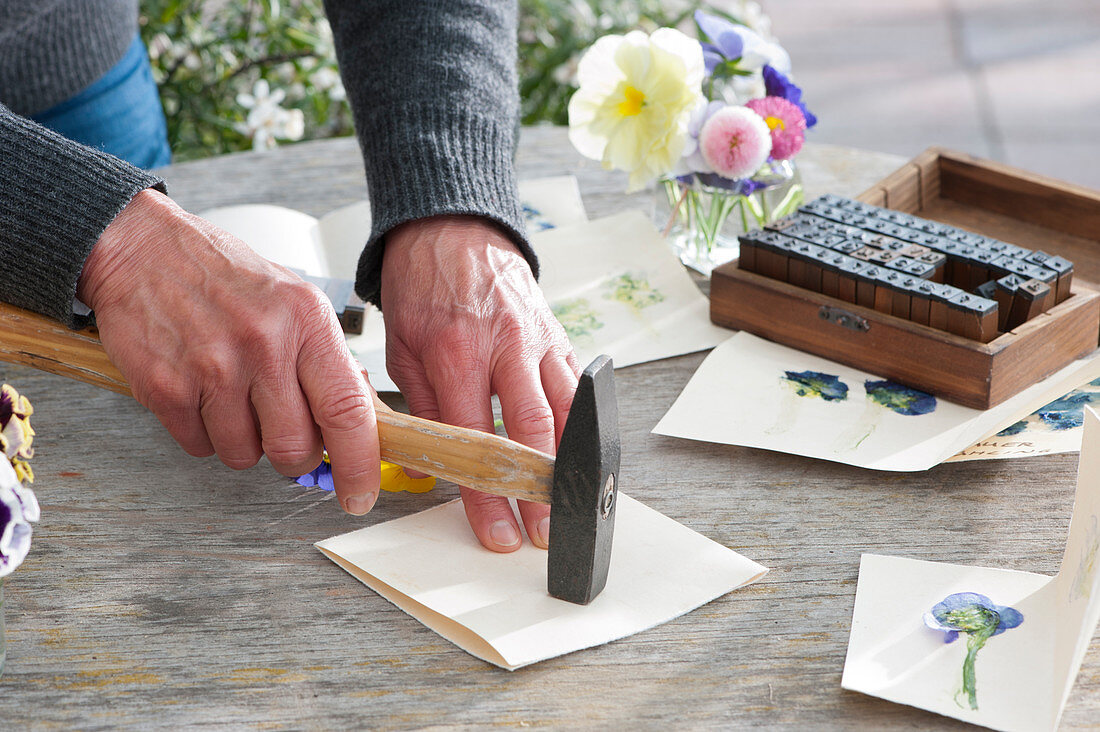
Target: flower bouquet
(718,120)
(18,506)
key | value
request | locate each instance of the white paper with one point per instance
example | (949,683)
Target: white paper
(1023,675)
(618,289)
(741,395)
(496,607)
(1053,428)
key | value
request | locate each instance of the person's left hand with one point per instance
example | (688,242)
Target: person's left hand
(465,320)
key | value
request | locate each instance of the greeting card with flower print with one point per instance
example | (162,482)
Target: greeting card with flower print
(1053,428)
(326,250)
(756,393)
(618,289)
(995,647)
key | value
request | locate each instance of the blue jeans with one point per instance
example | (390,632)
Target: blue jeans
(120,113)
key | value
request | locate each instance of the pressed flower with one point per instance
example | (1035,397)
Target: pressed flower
(785,122)
(636,96)
(394,478)
(735,142)
(981,619)
(777,84)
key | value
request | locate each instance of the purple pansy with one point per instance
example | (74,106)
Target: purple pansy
(778,85)
(320,477)
(727,43)
(18,507)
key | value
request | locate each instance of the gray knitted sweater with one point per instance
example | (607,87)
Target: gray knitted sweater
(432,85)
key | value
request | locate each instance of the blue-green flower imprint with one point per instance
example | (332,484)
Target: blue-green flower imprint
(898,398)
(577,317)
(981,619)
(816,384)
(633,290)
(1064,413)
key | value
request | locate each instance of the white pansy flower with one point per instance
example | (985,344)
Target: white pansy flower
(636,96)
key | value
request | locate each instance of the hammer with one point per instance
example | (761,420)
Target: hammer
(580,484)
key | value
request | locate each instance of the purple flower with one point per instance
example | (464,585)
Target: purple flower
(321,476)
(727,43)
(18,507)
(778,85)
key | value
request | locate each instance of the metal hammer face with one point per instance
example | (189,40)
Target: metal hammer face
(585,490)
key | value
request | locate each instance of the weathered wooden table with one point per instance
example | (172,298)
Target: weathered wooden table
(163,590)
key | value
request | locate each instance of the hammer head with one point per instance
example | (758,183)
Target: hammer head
(585,491)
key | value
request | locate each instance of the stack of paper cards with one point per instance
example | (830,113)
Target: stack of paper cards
(994,647)
(614,284)
(756,393)
(496,607)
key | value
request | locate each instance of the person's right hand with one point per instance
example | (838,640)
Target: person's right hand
(233,354)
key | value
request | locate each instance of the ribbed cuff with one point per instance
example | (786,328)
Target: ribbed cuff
(424,161)
(58,198)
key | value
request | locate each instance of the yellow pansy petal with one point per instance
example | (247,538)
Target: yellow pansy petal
(395,480)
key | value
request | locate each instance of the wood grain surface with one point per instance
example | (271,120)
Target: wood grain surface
(165,591)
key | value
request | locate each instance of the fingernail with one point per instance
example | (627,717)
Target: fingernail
(503,533)
(359,505)
(543,530)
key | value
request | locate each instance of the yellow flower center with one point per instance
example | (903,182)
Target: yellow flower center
(774,122)
(633,103)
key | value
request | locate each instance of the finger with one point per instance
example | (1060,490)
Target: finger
(559,383)
(177,408)
(340,402)
(419,395)
(288,435)
(231,425)
(529,420)
(464,401)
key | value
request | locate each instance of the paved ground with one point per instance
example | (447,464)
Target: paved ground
(1014,80)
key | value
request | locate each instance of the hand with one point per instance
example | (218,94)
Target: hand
(466,320)
(233,354)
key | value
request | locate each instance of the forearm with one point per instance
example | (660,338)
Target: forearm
(58,198)
(433,89)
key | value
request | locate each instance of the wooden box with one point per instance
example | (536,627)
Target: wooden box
(980,196)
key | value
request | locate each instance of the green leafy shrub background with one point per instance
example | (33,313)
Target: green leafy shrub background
(208,54)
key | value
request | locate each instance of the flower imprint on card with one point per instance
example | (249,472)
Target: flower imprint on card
(882,396)
(633,290)
(1060,415)
(536,220)
(577,316)
(1085,576)
(981,619)
(800,385)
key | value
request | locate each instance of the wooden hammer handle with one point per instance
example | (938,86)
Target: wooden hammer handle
(467,457)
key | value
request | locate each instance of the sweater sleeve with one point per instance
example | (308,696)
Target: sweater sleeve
(432,85)
(56,198)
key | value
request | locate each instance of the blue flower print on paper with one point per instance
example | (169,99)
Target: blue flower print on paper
(816,384)
(898,398)
(981,619)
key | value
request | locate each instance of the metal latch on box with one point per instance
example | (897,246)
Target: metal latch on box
(844,319)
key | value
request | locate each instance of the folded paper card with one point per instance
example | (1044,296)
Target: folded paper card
(329,247)
(1053,428)
(994,647)
(495,606)
(756,393)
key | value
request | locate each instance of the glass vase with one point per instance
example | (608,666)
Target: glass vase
(702,215)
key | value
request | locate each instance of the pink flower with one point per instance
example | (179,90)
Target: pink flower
(786,122)
(735,142)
